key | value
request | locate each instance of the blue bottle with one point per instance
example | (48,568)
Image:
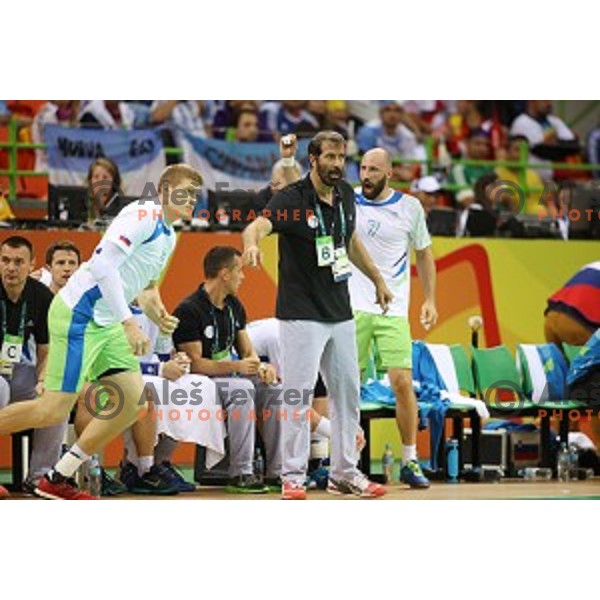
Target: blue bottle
(452,460)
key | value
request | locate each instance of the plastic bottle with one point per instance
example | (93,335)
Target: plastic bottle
(388,464)
(563,463)
(535,474)
(452,460)
(573,462)
(95,476)
(259,463)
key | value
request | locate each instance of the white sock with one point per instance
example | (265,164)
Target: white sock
(409,453)
(144,464)
(323,428)
(70,462)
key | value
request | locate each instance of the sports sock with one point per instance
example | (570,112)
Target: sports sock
(323,428)
(409,453)
(144,464)
(164,449)
(70,462)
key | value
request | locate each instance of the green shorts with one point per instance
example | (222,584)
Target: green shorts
(384,340)
(80,350)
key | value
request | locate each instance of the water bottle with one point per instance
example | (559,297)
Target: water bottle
(94,476)
(452,460)
(259,464)
(388,464)
(563,463)
(534,474)
(573,462)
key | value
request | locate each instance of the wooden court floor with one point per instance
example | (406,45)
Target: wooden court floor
(505,490)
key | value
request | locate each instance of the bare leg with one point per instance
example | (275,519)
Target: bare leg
(406,405)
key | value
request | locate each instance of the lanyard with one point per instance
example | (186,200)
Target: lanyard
(322,220)
(230,334)
(22,318)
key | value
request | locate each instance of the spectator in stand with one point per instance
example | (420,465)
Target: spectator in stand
(478,148)
(337,116)
(549,138)
(4,113)
(318,109)
(104,185)
(107,114)
(428,190)
(467,118)
(246,128)
(593,148)
(392,134)
(288,116)
(55,112)
(534,184)
(226,118)
(181,116)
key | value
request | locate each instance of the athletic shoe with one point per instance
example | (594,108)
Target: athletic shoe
(150,483)
(60,488)
(412,474)
(317,479)
(293,491)
(273,484)
(28,487)
(110,486)
(359,486)
(246,484)
(171,475)
(4,493)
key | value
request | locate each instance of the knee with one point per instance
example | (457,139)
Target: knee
(402,386)
(49,413)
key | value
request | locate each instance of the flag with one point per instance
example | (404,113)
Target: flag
(139,154)
(228,166)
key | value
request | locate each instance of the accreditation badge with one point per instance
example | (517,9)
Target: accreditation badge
(341,267)
(325,251)
(12,348)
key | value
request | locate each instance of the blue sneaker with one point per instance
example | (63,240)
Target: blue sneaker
(172,476)
(412,474)
(317,479)
(150,483)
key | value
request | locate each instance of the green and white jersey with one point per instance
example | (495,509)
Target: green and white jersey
(388,229)
(142,234)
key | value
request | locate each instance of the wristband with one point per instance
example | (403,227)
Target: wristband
(288,162)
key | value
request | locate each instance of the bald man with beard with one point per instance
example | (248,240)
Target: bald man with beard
(390,224)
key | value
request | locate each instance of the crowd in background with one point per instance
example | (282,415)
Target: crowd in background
(425,139)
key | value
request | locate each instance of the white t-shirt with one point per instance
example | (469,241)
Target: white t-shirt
(388,229)
(264,335)
(148,242)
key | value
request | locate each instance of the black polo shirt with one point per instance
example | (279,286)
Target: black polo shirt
(305,290)
(37,297)
(201,321)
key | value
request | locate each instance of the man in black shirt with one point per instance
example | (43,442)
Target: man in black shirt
(315,219)
(212,322)
(24,305)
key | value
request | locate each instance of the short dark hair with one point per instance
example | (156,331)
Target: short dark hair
(218,258)
(315,146)
(64,245)
(18,241)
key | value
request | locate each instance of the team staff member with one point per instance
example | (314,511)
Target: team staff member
(24,305)
(390,224)
(315,219)
(212,322)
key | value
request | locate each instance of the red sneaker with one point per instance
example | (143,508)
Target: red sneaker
(61,490)
(293,491)
(4,493)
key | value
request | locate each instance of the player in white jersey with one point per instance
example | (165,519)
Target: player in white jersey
(390,224)
(93,335)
